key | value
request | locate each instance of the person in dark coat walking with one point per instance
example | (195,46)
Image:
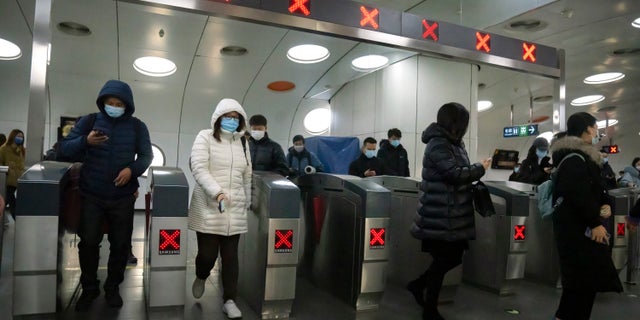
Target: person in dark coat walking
(535,169)
(393,154)
(367,164)
(582,240)
(445,218)
(266,154)
(115,150)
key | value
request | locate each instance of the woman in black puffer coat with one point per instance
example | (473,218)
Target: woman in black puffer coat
(585,256)
(445,218)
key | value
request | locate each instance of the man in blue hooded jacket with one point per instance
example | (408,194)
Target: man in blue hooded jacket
(107,143)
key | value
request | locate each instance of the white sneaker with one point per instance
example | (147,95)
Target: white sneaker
(231,310)
(197,288)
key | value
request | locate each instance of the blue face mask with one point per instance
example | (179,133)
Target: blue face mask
(229,124)
(605,160)
(516,169)
(541,153)
(595,140)
(370,153)
(113,112)
(394,143)
(18,140)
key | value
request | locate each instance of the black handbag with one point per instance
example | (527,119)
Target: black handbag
(482,199)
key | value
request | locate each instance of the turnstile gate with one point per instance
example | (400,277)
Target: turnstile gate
(498,255)
(269,255)
(346,231)
(406,260)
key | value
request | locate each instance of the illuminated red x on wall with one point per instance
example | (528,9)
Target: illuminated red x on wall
(528,52)
(284,239)
(377,237)
(620,229)
(518,232)
(300,5)
(169,240)
(369,17)
(430,30)
(483,41)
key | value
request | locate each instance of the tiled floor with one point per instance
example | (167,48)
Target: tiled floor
(533,301)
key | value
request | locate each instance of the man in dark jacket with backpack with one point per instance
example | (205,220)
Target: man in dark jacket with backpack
(107,143)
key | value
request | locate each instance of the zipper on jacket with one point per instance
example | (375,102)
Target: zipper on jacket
(233,138)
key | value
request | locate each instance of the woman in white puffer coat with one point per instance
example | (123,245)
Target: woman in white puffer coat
(221,166)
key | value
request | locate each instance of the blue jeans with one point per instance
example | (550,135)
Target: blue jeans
(118,215)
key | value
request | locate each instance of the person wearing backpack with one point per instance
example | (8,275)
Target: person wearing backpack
(585,257)
(299,158)
(115,149)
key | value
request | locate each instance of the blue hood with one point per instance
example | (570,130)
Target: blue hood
(120,90)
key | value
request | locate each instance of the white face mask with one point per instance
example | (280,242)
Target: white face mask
(298,148)
(257,134)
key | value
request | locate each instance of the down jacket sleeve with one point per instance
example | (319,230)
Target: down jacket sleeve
(444,156)
(200,165)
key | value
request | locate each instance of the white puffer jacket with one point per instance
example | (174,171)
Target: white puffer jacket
(220,167)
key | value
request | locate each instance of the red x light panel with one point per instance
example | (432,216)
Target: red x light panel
(612,149)
(283,241)
(620,229)
(519,232)
(430,30)
(376,238)
(169,243)
(300,6)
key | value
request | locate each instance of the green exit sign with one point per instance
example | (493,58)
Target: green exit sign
(520,131)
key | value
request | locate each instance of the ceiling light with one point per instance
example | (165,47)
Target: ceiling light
(603,77)
(603,123)
(317,121)
(636,23)
(308,53)
(484,105)
(155,66)
(587,100)
(8,50)
(369,62)
(547,135)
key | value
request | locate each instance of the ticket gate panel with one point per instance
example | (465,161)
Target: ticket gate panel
(619,237)
(30,294)
(36,253)
(280,283)
(283,242)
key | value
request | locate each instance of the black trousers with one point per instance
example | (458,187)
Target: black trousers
(575,304)
(446,256)
(208,247)
(11,200)
(119,216)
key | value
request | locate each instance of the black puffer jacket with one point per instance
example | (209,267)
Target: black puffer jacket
(267,155)
(584,264)
(445,211)
(395,158)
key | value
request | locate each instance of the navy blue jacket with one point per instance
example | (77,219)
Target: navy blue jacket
(299,160)
(128,137)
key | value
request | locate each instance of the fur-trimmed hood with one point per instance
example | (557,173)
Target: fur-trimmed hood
(571,143)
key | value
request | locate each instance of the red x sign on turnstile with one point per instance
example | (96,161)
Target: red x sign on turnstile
(376,237)
(169,240)
(483,42)
(528,52)
(369,17)
(518,232)
(284,239)
(300,5)
(430,30)
(620,229)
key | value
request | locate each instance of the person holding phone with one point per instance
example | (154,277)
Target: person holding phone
(367,164)
(221,166)
(585,257)
(535,168)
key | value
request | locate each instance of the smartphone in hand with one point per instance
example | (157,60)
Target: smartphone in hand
(221,206)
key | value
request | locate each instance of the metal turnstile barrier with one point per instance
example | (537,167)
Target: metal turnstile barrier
(166,239)
(617,226)
(631,255)
(346,229)
(406,260)
(269,254)
(498,255)
(35,261)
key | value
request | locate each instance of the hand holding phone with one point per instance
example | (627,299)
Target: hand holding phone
(221,206)
(96,137)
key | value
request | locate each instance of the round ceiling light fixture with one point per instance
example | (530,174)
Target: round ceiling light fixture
(369,62)
(308,53)
(603,123)
(155,66)
(547,135)
(317,121)
(603,77)
(587,100)
(636,23)
(9,50)
(484,105)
